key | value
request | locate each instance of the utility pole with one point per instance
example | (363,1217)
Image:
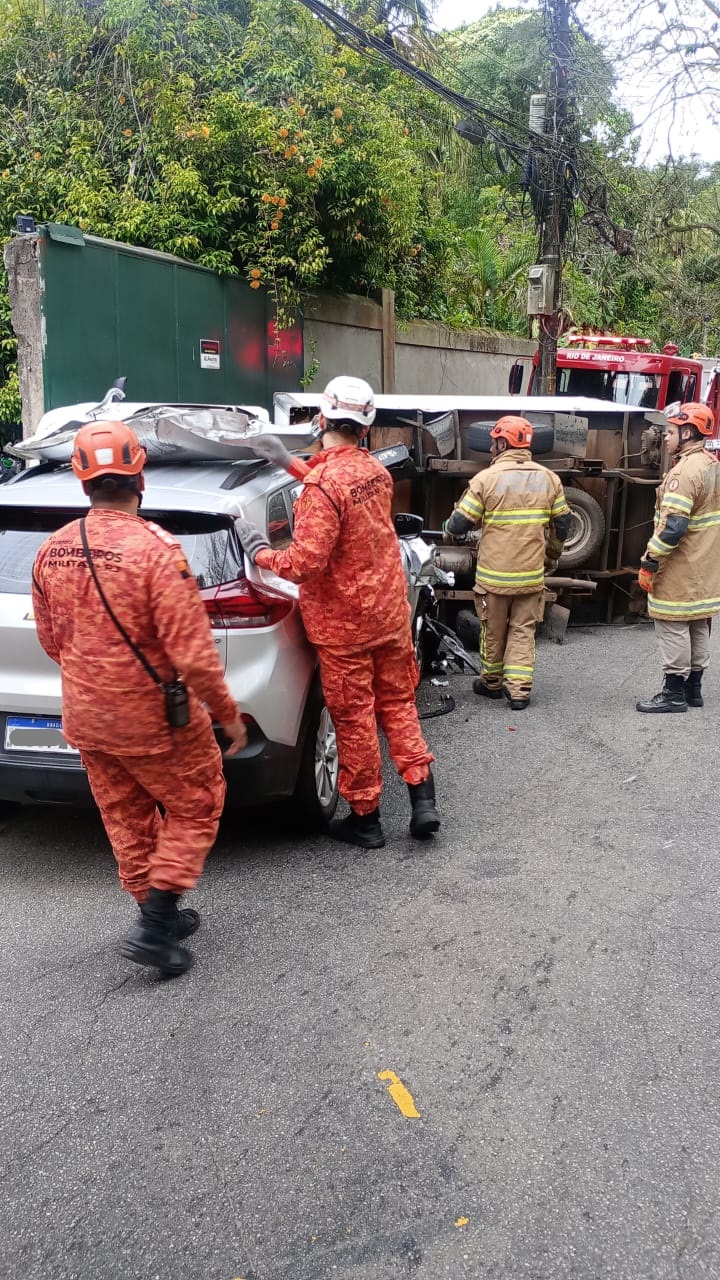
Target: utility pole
(558,197)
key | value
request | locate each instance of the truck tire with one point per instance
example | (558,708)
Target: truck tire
(478,438)
(467,626)
(587,531)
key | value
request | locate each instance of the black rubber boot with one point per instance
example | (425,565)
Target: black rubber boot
(425,820)
(693,691)
(361,829)
(670,698)
(517,704)
(187,921)
(153,941)
(480,687)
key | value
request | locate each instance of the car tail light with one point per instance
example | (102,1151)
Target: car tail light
(240,604)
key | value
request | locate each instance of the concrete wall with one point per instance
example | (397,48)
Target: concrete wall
(356,335)
(21,264)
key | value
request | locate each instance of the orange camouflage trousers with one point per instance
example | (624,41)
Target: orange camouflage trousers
(160,850)
(365,688)
(507,640)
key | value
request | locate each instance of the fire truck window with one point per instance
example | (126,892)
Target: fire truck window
(677,387)
(583,382)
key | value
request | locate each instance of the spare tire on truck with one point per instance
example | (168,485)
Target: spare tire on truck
(587,530)
(478,438)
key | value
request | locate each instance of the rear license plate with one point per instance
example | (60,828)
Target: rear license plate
(36,733)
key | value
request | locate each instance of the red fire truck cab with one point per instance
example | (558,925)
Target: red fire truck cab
(626,371)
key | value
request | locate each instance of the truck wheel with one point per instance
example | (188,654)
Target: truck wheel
(467,626)
(316,793)
(587,530)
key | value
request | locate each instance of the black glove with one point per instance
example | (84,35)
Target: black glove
(251,539)
(271,448)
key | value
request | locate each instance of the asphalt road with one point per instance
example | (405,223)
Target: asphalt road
(542,979)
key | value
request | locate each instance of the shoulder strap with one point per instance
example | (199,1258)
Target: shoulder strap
(130,643)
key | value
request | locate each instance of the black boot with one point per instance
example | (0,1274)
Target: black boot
(480,687)
(516,704)
(154,940)
(187,921)
(425,818)
(670,698)
(693,691)
(361,829)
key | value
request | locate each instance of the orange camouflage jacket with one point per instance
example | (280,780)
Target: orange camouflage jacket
(109,702)
(345,553)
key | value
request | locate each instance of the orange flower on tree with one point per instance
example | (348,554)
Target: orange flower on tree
(266,198)
(283,133)
(255,274)
(254,284)
(337,113)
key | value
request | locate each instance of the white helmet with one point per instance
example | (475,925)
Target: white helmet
(349,398)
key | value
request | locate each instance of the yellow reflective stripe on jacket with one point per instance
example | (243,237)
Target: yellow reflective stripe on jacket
(699,608)
(519,579)
(524,515)
(703,522)
(657,548)
(471,507)
(677,502)
(560,506)
(518,671)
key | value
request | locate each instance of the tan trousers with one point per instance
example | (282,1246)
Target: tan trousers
(684,645)
(507,640)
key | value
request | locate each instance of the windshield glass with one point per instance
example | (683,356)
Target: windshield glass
(641,389)
(204,539)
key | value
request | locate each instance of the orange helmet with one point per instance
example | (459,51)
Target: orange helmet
(694,414)
(107,449)
(517,431)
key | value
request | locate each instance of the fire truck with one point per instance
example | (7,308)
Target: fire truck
(627,371)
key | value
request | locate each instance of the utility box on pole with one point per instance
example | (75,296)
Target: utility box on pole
(541,290)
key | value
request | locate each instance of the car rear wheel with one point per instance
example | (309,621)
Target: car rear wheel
(316,794)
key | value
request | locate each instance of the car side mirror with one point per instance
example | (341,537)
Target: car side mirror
(407,525)
(515,378)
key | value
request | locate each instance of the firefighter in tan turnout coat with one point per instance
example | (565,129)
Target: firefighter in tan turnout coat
(525,520)
(681,567)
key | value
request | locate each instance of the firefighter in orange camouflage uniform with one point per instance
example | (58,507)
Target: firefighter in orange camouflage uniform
(114,712)
(353,600)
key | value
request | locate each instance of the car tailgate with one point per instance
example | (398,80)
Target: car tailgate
(29,680)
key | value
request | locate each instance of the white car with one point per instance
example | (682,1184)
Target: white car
(268,663)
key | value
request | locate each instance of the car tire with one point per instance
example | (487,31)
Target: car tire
(587,532)
(478,438)
(316,792)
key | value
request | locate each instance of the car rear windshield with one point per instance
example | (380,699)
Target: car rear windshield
(205,540)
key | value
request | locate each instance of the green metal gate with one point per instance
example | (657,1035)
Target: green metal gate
(177,331)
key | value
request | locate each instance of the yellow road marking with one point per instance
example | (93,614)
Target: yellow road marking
(401,1096)
(462,1222)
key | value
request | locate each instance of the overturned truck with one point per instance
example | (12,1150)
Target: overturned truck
(610,458)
